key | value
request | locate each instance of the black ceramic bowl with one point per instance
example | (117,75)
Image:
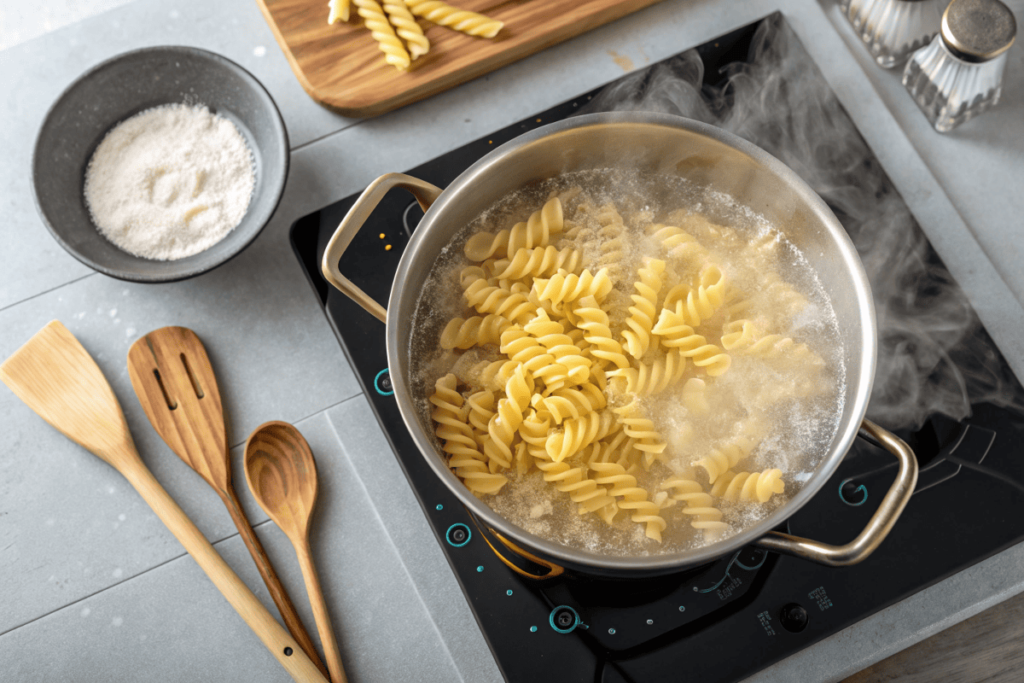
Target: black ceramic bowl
(118,89)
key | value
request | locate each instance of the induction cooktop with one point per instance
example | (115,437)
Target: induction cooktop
(729,619)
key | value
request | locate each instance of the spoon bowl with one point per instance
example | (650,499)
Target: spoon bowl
(281,472)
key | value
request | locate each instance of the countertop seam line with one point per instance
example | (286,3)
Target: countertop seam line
(121,583)
(323,137)
(303,419)
(46,291)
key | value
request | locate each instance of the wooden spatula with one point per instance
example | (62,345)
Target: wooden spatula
(59,380)
(175,384)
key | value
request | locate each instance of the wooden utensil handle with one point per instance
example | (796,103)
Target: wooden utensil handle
(252,611)
(280,596)
(323,619)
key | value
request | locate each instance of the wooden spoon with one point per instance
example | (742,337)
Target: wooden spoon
(175,384)
(60,381)
(281,472)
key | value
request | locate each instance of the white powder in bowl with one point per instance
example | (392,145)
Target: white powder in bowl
(169,182)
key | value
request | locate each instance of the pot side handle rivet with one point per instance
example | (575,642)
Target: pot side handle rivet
(382,383)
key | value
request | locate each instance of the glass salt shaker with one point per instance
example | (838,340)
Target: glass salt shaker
(893,29)
(960,75)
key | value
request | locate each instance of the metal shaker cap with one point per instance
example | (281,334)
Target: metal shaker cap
(978,30)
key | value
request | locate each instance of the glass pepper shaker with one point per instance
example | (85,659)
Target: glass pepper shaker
(960,74)
(893,29)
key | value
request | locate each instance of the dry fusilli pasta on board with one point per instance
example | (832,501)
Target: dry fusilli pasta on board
(399,34)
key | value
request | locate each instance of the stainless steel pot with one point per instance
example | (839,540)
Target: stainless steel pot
(665,145)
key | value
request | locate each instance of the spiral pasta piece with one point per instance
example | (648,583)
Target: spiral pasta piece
(648,440)
(613,244)
(522,347)
(608,449)
(519,389)
(504,424)
(481,409)
(742,336)
(577,366)
(569,403)
(702,302)
(375,20)
(684,489)
(407,28)
(512,303)
(678,243)
(564,287)
(675,334)
(538,262)
(583,491)
(594,323)
(452,427)
(641,320)
(466,460)
(650,378)
(470,274)
(575,435)
(536,232)
(749,486)
(569,366)
(632,497)
(698,505)
(534,432)
(462,333)
(441,13)
(484,245)
(727,455)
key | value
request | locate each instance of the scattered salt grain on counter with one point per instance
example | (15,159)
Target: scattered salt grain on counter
(169,182)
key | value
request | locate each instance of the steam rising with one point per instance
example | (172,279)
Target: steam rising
(932,353)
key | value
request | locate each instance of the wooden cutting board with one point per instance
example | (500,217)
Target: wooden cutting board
(340,65)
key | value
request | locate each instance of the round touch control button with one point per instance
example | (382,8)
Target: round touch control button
(458,535)
(793,617)
(564,619)
(382,383)
(853,494)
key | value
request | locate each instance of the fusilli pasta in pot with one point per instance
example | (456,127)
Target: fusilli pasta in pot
(579,344)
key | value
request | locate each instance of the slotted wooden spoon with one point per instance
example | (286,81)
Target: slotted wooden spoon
(281,472)
(175,383)
(58,379)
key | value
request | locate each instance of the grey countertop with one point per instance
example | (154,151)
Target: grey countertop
(97,589)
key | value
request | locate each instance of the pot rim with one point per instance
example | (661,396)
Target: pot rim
(663,563)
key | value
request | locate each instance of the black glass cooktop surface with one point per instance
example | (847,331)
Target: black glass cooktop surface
(727,620)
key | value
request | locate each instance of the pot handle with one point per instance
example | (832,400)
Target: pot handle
(881,522)
(553,570)
(425,193)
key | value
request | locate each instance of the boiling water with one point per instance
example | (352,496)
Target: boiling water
(795,426)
